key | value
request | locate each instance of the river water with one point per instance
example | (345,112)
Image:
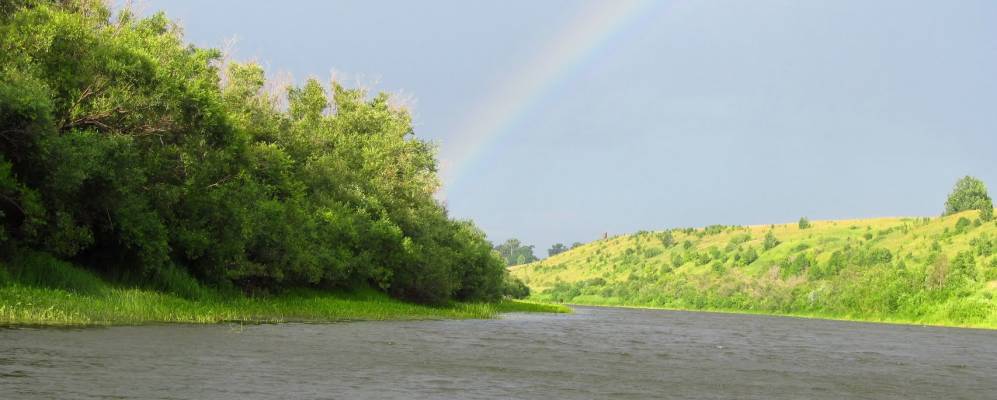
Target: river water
(593,353)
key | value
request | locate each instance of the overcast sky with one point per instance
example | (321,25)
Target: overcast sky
(678,114)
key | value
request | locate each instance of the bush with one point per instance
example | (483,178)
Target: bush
(515,288)
(666,239)
(770,241)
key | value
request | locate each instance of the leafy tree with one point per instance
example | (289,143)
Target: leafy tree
(576,245)
(556,249)
(515,253)
(804,223)
(970,193)
(125,149)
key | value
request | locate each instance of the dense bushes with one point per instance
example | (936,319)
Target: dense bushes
(121,148)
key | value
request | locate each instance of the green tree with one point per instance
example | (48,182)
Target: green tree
(804,223)
(556,249)
(125,149)
(970,193)
(515,252)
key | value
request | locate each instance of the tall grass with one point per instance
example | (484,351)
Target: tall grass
(43,291)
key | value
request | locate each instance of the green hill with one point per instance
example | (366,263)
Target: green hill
(940,270)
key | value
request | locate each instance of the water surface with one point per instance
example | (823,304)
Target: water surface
(594,353)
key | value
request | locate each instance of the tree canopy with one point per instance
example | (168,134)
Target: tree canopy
(556,248)
(125,149)
(515,252)
(970,193)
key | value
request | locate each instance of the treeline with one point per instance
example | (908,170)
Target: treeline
(515,252)
(124,149)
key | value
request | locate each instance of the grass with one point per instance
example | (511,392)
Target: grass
(932,271)
(70,296)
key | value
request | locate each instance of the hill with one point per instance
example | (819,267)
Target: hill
(940,270)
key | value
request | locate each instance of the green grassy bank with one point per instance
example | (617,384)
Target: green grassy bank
(63,295)
(934,271)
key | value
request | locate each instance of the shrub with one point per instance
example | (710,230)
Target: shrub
(982,245)
(749,256)
(677,260)
(962,225)
(515,288)
(770,241)
(666,239)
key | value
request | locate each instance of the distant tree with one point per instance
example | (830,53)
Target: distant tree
(804,223)
(576,245)
(556,249)
(970,194)
(515,253)
(770,241)
(667,239)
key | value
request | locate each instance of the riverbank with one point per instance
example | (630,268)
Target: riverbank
(936,321)
(923,271)
(21,305)
(80,298)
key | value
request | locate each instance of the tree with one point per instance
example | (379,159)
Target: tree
(126,149)
(515,253)
(576,245)
(970,193)
(804,223)
(556,249)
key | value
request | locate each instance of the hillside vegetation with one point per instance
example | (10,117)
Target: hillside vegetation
(939,270)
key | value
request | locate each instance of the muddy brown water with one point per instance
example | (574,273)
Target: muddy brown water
(593,353)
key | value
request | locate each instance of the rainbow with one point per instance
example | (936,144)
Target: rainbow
(578,41)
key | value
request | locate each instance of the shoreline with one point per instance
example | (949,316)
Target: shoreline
(27,306)
(899,321)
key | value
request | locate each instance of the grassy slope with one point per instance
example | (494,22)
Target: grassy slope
(934,273)
(71,296)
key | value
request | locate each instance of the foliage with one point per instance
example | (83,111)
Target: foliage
(556,249)
(127,150)
(515,288)
(515,252)
(907,270)
(970,193)
(804,223)
(770,241)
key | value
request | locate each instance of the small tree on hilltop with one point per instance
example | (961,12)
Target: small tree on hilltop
(970,194)
(804,223)
(556,249)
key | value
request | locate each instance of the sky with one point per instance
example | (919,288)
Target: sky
(558,121)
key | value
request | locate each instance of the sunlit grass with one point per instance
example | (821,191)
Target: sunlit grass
(48,292)
(638,270)
(25,305)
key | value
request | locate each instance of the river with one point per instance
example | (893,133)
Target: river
(593,353)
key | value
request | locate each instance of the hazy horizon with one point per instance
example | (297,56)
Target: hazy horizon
(559,121)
